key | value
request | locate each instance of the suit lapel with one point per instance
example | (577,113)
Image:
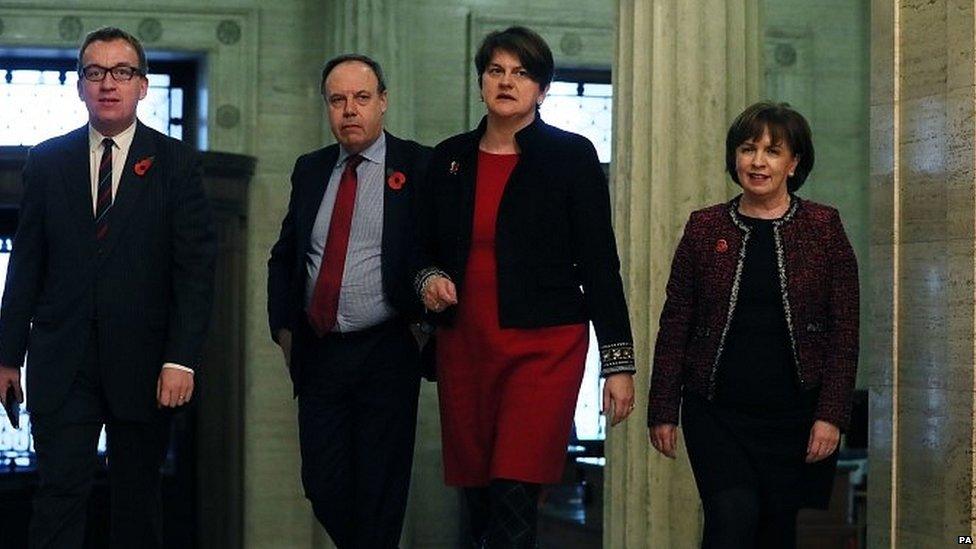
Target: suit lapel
(77,180)
(317,179)
(396,204)
(131,185)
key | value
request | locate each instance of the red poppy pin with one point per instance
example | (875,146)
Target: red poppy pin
(143,166)
(395,180)
(721,246)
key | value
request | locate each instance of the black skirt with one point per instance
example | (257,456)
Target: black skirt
(733,448)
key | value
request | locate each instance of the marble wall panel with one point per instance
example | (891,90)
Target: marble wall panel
(880,440)
(960,65)
(923,48)
(882,269)
(881,313)
(928,112)
(935,456)
(922,151)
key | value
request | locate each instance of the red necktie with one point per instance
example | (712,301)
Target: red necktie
(325,297)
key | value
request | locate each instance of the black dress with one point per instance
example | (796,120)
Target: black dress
(754,433)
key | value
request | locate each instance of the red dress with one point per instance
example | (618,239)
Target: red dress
(507,396)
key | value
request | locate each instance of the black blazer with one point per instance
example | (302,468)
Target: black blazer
(146,290)
(553,235)
(286,267)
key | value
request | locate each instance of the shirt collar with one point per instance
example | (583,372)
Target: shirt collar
(122,140)
(373,153)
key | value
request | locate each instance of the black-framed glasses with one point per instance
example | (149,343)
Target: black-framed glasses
(120,73)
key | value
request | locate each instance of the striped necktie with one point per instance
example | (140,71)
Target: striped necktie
(103,201)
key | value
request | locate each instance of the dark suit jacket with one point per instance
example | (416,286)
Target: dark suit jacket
(286,267)
(147,289)
(553,235)
(818,273)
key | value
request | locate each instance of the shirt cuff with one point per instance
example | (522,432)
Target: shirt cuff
(178,367)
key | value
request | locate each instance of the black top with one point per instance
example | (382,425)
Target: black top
(553,235)
(757,371)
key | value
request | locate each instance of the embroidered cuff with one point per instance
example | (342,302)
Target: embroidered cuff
(617,358)
(423,277)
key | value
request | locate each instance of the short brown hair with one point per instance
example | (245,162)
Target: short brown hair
(785,125)
(524,43)
(108,34)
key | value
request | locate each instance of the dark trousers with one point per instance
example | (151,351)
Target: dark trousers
(357,412)
(65,442)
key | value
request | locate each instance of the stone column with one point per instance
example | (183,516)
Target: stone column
(923,260)
(683,71)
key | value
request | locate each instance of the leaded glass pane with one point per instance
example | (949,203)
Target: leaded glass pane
(589,114)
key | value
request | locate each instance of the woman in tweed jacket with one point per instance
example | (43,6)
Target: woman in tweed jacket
(758,340)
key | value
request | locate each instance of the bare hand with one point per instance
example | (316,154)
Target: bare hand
(618,397)
(824,437)
(10,377)
(284,341)
(439,294)
(664,438)
(174,388)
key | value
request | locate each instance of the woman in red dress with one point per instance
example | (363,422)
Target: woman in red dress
(516,254)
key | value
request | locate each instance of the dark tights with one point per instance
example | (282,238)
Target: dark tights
(737,519)
(503,514)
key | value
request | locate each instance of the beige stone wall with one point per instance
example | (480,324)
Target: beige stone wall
(923,193)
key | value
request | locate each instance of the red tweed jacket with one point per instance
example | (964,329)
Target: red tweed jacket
(818,280)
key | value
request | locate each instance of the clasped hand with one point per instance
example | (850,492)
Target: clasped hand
(439,294)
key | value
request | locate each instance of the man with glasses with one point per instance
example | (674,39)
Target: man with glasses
(109,289)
